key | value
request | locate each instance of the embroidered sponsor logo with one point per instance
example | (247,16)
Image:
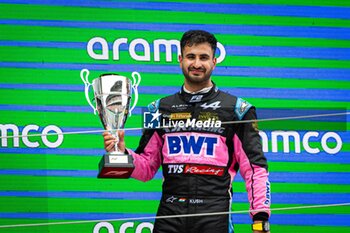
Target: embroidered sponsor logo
(268,194)
(180,115)
(153,106)
(195,169)
(203,116)
(255,126)
(180,106)
(243,107)
(196,98)
(214,105)
(204,170)
(191,145)
(171,199)
(175,169)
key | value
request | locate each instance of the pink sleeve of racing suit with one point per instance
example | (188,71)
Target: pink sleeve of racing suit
(253,167)
(147,157)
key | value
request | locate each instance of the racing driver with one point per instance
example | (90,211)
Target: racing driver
(199,153)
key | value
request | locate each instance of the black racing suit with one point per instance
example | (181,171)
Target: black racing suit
(200,157)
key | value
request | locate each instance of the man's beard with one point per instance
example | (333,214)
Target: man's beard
(196,79)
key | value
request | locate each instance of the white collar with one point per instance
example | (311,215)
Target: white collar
(204,90)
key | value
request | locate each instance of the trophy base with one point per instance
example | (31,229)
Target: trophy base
(116,165)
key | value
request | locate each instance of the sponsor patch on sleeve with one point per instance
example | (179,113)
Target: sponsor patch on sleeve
(153,107)
(242,108)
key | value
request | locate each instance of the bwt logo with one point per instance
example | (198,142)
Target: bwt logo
(140,43)
(188,145)
(30,142)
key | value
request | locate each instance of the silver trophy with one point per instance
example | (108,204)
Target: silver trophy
(112,97)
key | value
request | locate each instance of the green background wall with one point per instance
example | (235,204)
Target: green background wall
(288,58)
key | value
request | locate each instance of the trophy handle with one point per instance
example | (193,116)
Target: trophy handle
(84,75)
(136,81)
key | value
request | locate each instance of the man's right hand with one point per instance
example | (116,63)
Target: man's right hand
(110,141)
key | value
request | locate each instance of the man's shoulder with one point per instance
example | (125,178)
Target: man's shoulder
(227,96)
(170,97)
(240,105)
(154,105)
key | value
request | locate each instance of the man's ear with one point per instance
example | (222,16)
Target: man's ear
(214,61)
(180,60)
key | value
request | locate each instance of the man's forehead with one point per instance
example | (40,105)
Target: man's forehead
(200,49)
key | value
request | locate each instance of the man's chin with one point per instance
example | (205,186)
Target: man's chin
(196,79)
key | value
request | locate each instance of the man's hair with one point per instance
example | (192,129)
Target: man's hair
(194,37)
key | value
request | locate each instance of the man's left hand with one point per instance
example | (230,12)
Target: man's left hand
(260,231)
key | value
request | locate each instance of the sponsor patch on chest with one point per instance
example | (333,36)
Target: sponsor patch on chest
(195,148)
(191,145)
(195,169)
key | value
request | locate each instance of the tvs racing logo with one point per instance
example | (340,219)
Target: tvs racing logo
(195,169)
(204,170)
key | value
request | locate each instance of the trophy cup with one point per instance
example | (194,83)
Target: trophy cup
(112,97)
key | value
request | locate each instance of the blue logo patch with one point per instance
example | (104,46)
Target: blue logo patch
(151,120)
(242,108)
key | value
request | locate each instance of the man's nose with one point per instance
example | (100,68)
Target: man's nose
(197,63)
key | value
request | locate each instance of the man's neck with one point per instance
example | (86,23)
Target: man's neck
(203,90)
(197,88)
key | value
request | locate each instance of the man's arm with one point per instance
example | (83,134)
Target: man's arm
(253,167)
(147,157)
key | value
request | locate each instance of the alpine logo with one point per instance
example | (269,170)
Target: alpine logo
(214,105)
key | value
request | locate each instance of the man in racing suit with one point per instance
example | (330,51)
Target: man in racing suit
(202,143)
